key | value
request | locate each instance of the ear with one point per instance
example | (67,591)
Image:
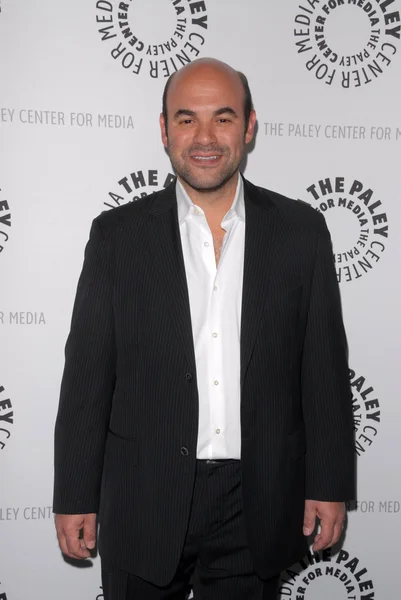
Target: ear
(163,130)
(251,127)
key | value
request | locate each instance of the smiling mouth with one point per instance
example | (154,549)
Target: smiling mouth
(206,158)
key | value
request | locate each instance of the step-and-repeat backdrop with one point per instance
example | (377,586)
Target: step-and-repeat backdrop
(80,96)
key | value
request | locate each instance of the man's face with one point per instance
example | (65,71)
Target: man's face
(206,127)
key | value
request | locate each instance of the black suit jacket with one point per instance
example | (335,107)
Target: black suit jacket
(127,425)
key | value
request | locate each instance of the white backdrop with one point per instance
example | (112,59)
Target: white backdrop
(80,95)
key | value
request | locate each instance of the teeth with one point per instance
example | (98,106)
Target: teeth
(205,157)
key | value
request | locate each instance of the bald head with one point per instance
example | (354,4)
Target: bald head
(206,69)
(208,108)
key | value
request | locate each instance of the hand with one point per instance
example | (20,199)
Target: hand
(331,515)
(68,533)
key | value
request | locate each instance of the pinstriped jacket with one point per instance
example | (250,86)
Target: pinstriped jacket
(127,424)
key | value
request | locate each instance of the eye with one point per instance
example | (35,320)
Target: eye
(186,121)
(223,120)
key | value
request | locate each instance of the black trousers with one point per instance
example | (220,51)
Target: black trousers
(215,561)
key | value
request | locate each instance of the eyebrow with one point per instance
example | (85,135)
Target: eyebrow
(184,112)
(220,111)
(225,110)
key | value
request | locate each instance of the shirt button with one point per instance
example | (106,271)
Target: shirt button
(184,451)
(206,244)
(188,376)
(197,212)
(215,335)
(218,430)
(215,288)
(216,382)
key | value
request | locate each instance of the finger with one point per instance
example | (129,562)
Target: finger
(90,531)
(81,539)
(74,546)
(321,543)
(323,539)
(338,527)
(309,519)
(62,543)
(63,546)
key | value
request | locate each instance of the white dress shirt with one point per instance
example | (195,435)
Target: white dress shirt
(215,297)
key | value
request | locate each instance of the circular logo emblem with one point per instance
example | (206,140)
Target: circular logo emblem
(357,222)
(136,185)
(5,221)
(319,574)
(3,595)
(366,409)
(347,42)
(100,596)
(155,40)
(6,419)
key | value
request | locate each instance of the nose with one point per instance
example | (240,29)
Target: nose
(205,134)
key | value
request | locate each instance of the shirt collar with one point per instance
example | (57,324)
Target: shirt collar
(185,204)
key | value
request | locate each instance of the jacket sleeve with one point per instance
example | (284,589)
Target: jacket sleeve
(326,392)
(87,386)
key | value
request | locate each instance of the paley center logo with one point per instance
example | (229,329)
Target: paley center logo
(357,222)
(5,221)
(366,411)
(3,595)
(136,185)
(347,42)
(320,575)
(156,38)
(6,419)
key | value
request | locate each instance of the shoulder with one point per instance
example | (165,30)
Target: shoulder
(133,215)
(117,218)
(292,210)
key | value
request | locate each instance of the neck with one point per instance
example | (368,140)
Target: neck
(216,203)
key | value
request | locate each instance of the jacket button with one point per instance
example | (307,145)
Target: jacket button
(184,451)
(188,377)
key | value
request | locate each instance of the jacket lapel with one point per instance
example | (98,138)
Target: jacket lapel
(261,218)
(166,250)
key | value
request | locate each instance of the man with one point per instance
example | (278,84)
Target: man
(205,410)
